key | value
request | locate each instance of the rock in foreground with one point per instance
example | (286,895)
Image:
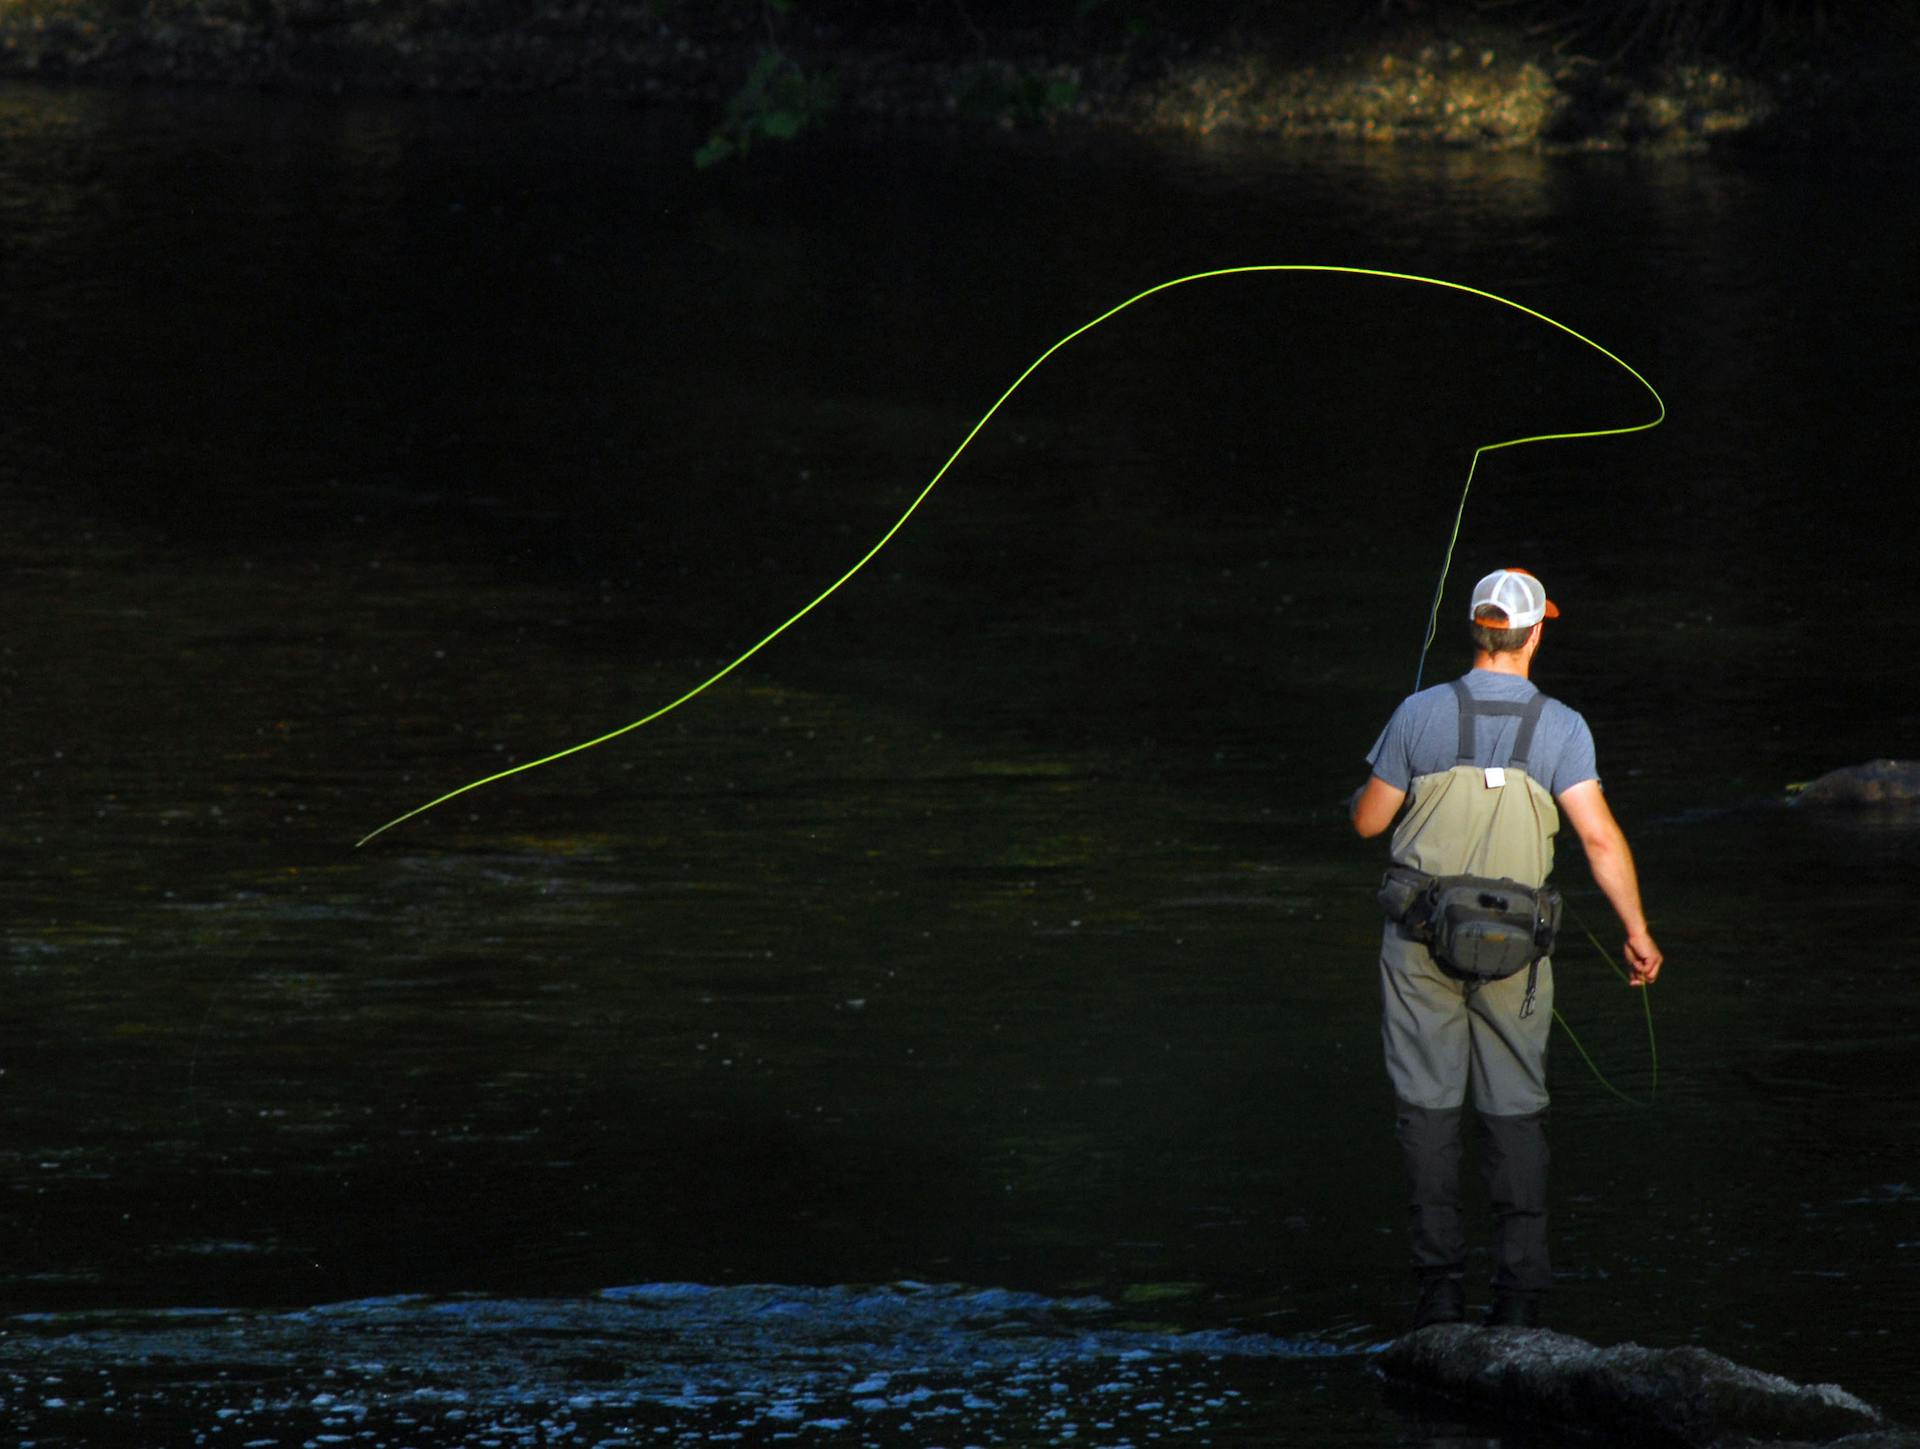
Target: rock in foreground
(1628,1394)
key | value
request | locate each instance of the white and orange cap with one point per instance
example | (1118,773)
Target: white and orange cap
(1517,594)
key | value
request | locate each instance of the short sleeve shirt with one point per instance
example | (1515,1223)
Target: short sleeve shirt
(1423,736)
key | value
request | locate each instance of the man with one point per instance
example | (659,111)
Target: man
(1485,766)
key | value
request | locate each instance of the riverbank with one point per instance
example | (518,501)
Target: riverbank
(1411,81)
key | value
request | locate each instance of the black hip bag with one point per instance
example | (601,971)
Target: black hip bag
(1477,928)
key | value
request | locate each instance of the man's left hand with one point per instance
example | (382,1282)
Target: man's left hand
(1643,960)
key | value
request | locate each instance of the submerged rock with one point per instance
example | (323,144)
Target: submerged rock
(1878,782)
(1684,1397)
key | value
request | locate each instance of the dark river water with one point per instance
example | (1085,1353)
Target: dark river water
(958,1024)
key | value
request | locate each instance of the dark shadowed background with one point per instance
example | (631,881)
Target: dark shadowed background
(999,925)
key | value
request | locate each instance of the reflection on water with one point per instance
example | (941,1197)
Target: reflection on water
(999,926)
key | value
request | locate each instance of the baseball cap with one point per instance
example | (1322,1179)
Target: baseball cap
(1517,594)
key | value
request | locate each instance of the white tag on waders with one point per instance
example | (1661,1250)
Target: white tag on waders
(1496,777)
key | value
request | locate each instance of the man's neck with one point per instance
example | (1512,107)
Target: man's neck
(1517,662)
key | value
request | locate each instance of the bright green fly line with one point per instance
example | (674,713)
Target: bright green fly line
(1646,1006)
(921,497)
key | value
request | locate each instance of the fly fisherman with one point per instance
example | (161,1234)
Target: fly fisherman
(1480,764)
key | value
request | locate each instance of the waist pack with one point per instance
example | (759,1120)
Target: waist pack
(1476,928)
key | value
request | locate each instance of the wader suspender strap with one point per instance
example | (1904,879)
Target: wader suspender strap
(1529,713)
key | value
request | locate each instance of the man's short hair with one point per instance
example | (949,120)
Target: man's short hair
(1490,633)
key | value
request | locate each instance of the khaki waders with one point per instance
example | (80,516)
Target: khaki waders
(1442,1033)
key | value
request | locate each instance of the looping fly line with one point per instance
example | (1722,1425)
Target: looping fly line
(1034,366)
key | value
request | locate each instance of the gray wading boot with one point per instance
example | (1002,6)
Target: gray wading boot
(1514,1310)
(1443,1299)
(1430,1141)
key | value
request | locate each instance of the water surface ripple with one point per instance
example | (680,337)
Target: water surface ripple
(998,926)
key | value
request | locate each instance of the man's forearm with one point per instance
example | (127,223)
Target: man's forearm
(1612,865)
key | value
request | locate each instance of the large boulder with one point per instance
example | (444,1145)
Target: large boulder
(1677,1398)
(1878,782)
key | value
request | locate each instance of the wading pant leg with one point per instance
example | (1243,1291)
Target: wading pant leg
(1513,1160)
(1424,1029)
(1510,1092)
(1424,1025)
(1509,1049)
(1430,1141)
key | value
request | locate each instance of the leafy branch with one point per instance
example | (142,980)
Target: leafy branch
(778,100)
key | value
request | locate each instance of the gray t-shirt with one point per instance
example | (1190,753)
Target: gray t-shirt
(1423,737)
